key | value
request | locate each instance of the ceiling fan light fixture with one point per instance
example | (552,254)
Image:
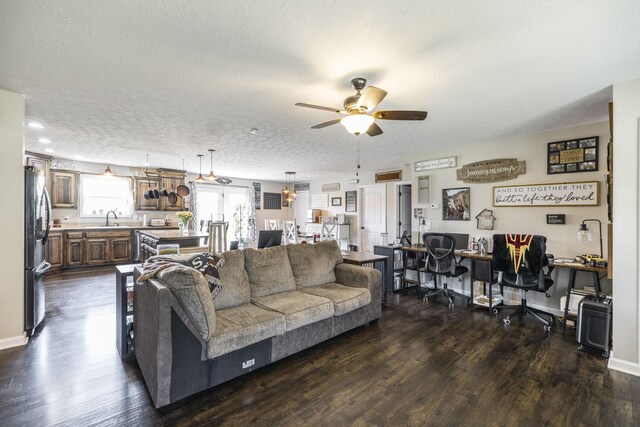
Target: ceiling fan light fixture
(357,123)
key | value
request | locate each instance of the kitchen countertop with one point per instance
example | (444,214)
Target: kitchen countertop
(174,234)
(102,227)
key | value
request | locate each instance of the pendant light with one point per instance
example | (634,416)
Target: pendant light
(285,190)
(200,178)
(212,176)
(108,171)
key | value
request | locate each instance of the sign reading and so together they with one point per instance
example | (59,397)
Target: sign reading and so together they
(560,194)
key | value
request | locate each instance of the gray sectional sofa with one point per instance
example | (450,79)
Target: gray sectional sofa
(274,302)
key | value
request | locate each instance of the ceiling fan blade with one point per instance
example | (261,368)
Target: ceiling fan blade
(319,107)
(325,124)
(400,115)
(374,130)
(371,97)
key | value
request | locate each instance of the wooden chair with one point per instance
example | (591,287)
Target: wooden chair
(329,231)
(272,224)
(290,232)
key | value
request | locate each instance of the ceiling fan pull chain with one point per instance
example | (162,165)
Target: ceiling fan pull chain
(357,157)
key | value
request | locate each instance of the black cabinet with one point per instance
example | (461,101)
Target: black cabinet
(124,310)
(394,264)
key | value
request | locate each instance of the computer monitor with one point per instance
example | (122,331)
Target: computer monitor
(268,238)
(462,240)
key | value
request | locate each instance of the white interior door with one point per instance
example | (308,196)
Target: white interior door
(372,217)
(300,208)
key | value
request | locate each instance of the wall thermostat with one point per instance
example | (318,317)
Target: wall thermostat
(434,206)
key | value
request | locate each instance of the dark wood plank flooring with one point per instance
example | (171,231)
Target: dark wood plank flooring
(421,365)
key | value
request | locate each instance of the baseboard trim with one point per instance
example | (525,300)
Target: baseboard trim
(624,366)
(13,341)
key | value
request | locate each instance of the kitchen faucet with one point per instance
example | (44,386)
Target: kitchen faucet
(115,216)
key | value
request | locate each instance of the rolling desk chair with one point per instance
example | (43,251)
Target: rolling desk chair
(519,260)
(441,261)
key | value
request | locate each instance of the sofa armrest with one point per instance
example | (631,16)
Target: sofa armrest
(360,277)
(154,304)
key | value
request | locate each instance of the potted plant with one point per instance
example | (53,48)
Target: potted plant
(183,220)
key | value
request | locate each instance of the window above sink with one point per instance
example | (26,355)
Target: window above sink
(100,194)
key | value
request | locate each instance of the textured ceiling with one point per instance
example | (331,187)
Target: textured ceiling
(114,80)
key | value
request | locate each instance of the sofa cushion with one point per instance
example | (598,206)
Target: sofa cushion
(269,271)
(314,265)
(234,280)
(192,292)
(243,325)
(345,298)
(299,308)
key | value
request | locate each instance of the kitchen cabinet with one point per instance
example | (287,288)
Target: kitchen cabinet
(159,179)
(40,163)
(97,247)
(143,185)
(54,251)
(96,251)
(120,249)
(171,183)
(74,249)
(64,189)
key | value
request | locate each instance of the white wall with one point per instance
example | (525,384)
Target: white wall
(562,239)
(626,189)
(12,220)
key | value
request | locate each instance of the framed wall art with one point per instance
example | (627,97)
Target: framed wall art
(350,201)
(456,204)
(573,155)
(336,201)
(272,200)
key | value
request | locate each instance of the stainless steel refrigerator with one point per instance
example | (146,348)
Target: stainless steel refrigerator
(37,217)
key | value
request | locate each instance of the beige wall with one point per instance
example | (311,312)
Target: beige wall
(12,219)
(626,327)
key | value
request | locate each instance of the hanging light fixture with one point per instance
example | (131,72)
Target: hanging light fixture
(290,179)
(200,178)
(285,190)
(357,123)
(108,171)
(212,176)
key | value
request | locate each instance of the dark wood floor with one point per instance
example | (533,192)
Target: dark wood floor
(421,365)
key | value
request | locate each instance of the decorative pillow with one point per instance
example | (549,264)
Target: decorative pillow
(206,263)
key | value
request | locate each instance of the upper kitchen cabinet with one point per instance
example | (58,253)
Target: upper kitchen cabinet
(64,189)
(171,184)
(143,186)
(159,179)
(40,163)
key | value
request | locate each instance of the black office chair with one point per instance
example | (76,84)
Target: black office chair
(519,260)
(441,261)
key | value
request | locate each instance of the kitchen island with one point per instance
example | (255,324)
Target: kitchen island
(150,239)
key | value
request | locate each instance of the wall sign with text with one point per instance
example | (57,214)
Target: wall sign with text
(491,170)
(427,165)
(552,194)
(574,155)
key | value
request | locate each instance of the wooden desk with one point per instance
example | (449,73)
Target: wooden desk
(379,262)
(573,267)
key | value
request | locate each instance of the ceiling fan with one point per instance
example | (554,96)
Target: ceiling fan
(358,117)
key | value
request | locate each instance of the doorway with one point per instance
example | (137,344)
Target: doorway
(404,210)
(372,215)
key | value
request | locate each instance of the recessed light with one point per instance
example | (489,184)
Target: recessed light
(253,131)
(44,140)
(78,156)
(35,125)
(49,150)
